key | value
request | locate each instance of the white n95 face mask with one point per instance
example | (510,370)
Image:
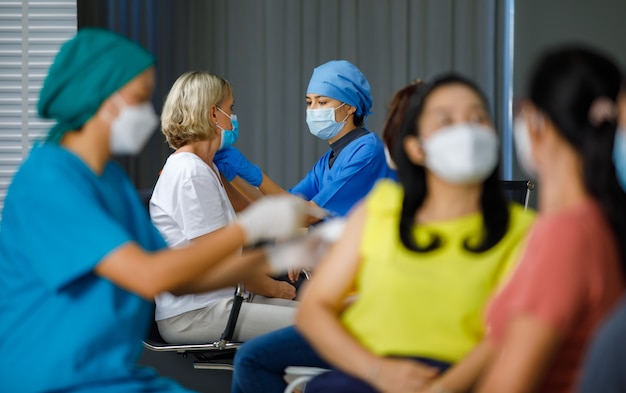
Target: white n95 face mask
(132,128)
(464,153)
(523,148)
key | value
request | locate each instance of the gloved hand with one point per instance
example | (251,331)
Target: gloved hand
(306,251)
(231,163)
(272,217)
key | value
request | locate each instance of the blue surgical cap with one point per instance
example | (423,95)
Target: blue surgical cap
(342,81)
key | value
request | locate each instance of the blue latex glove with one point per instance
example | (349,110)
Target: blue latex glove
(231,163)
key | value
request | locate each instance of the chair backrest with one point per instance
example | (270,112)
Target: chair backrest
(145,194)
(518,190)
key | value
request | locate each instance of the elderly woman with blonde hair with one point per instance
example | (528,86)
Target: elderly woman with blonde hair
(190,201)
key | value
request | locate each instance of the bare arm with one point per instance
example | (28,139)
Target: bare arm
(247,190)
(324,301)
(265,285)
(269,187)
(233,270)
(528,349)
(177,270)
(244,193)
(237,198)
(463,376)
(252,193)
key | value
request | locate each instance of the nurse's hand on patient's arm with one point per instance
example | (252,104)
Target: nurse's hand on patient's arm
(231,163)
(315,213)
(304,252)
(272,217)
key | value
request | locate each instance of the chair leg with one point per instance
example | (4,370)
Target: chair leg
(298,383)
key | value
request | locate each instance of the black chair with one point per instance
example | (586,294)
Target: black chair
(145,194)
(518,190)
(217,355)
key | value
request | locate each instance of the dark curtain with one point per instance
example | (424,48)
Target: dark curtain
(268,49)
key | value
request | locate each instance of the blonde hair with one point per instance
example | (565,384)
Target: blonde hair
(185,115)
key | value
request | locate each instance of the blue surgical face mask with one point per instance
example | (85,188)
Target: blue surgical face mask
(229,137)
(322,122)
(619,155)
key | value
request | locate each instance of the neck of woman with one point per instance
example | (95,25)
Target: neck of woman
(91,144)
(202,149)
(446,201)
(561,183)
(349,126)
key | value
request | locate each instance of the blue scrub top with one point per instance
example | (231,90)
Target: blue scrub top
(355,171)
(62,327)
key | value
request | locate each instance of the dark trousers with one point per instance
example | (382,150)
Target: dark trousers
(338,381)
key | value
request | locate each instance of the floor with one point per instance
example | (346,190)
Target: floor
(181,369)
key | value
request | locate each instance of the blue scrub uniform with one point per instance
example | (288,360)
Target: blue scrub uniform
(354,172)
(62,327)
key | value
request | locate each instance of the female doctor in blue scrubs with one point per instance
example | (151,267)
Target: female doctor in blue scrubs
(338,101)
(80,260)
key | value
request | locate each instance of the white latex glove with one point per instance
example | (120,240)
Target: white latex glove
(305,251)
(272,217)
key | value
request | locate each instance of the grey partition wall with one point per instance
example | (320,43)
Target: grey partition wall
(268,49)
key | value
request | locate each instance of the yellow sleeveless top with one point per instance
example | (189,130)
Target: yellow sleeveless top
(426,304)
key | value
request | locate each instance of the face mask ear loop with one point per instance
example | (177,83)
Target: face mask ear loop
(225,114)
(538,121)
(119,102)
(106,116)
(534,118)
(335,109)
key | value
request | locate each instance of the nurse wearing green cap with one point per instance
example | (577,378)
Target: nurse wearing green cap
(80,261)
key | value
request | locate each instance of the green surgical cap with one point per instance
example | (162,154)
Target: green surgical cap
(86,71)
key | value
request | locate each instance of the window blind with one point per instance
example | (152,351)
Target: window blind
(31,33)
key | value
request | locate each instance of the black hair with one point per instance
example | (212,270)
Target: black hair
(395,115)
(359,120)
(564,84)
(494,207)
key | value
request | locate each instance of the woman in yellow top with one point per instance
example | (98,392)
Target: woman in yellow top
(424,256)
